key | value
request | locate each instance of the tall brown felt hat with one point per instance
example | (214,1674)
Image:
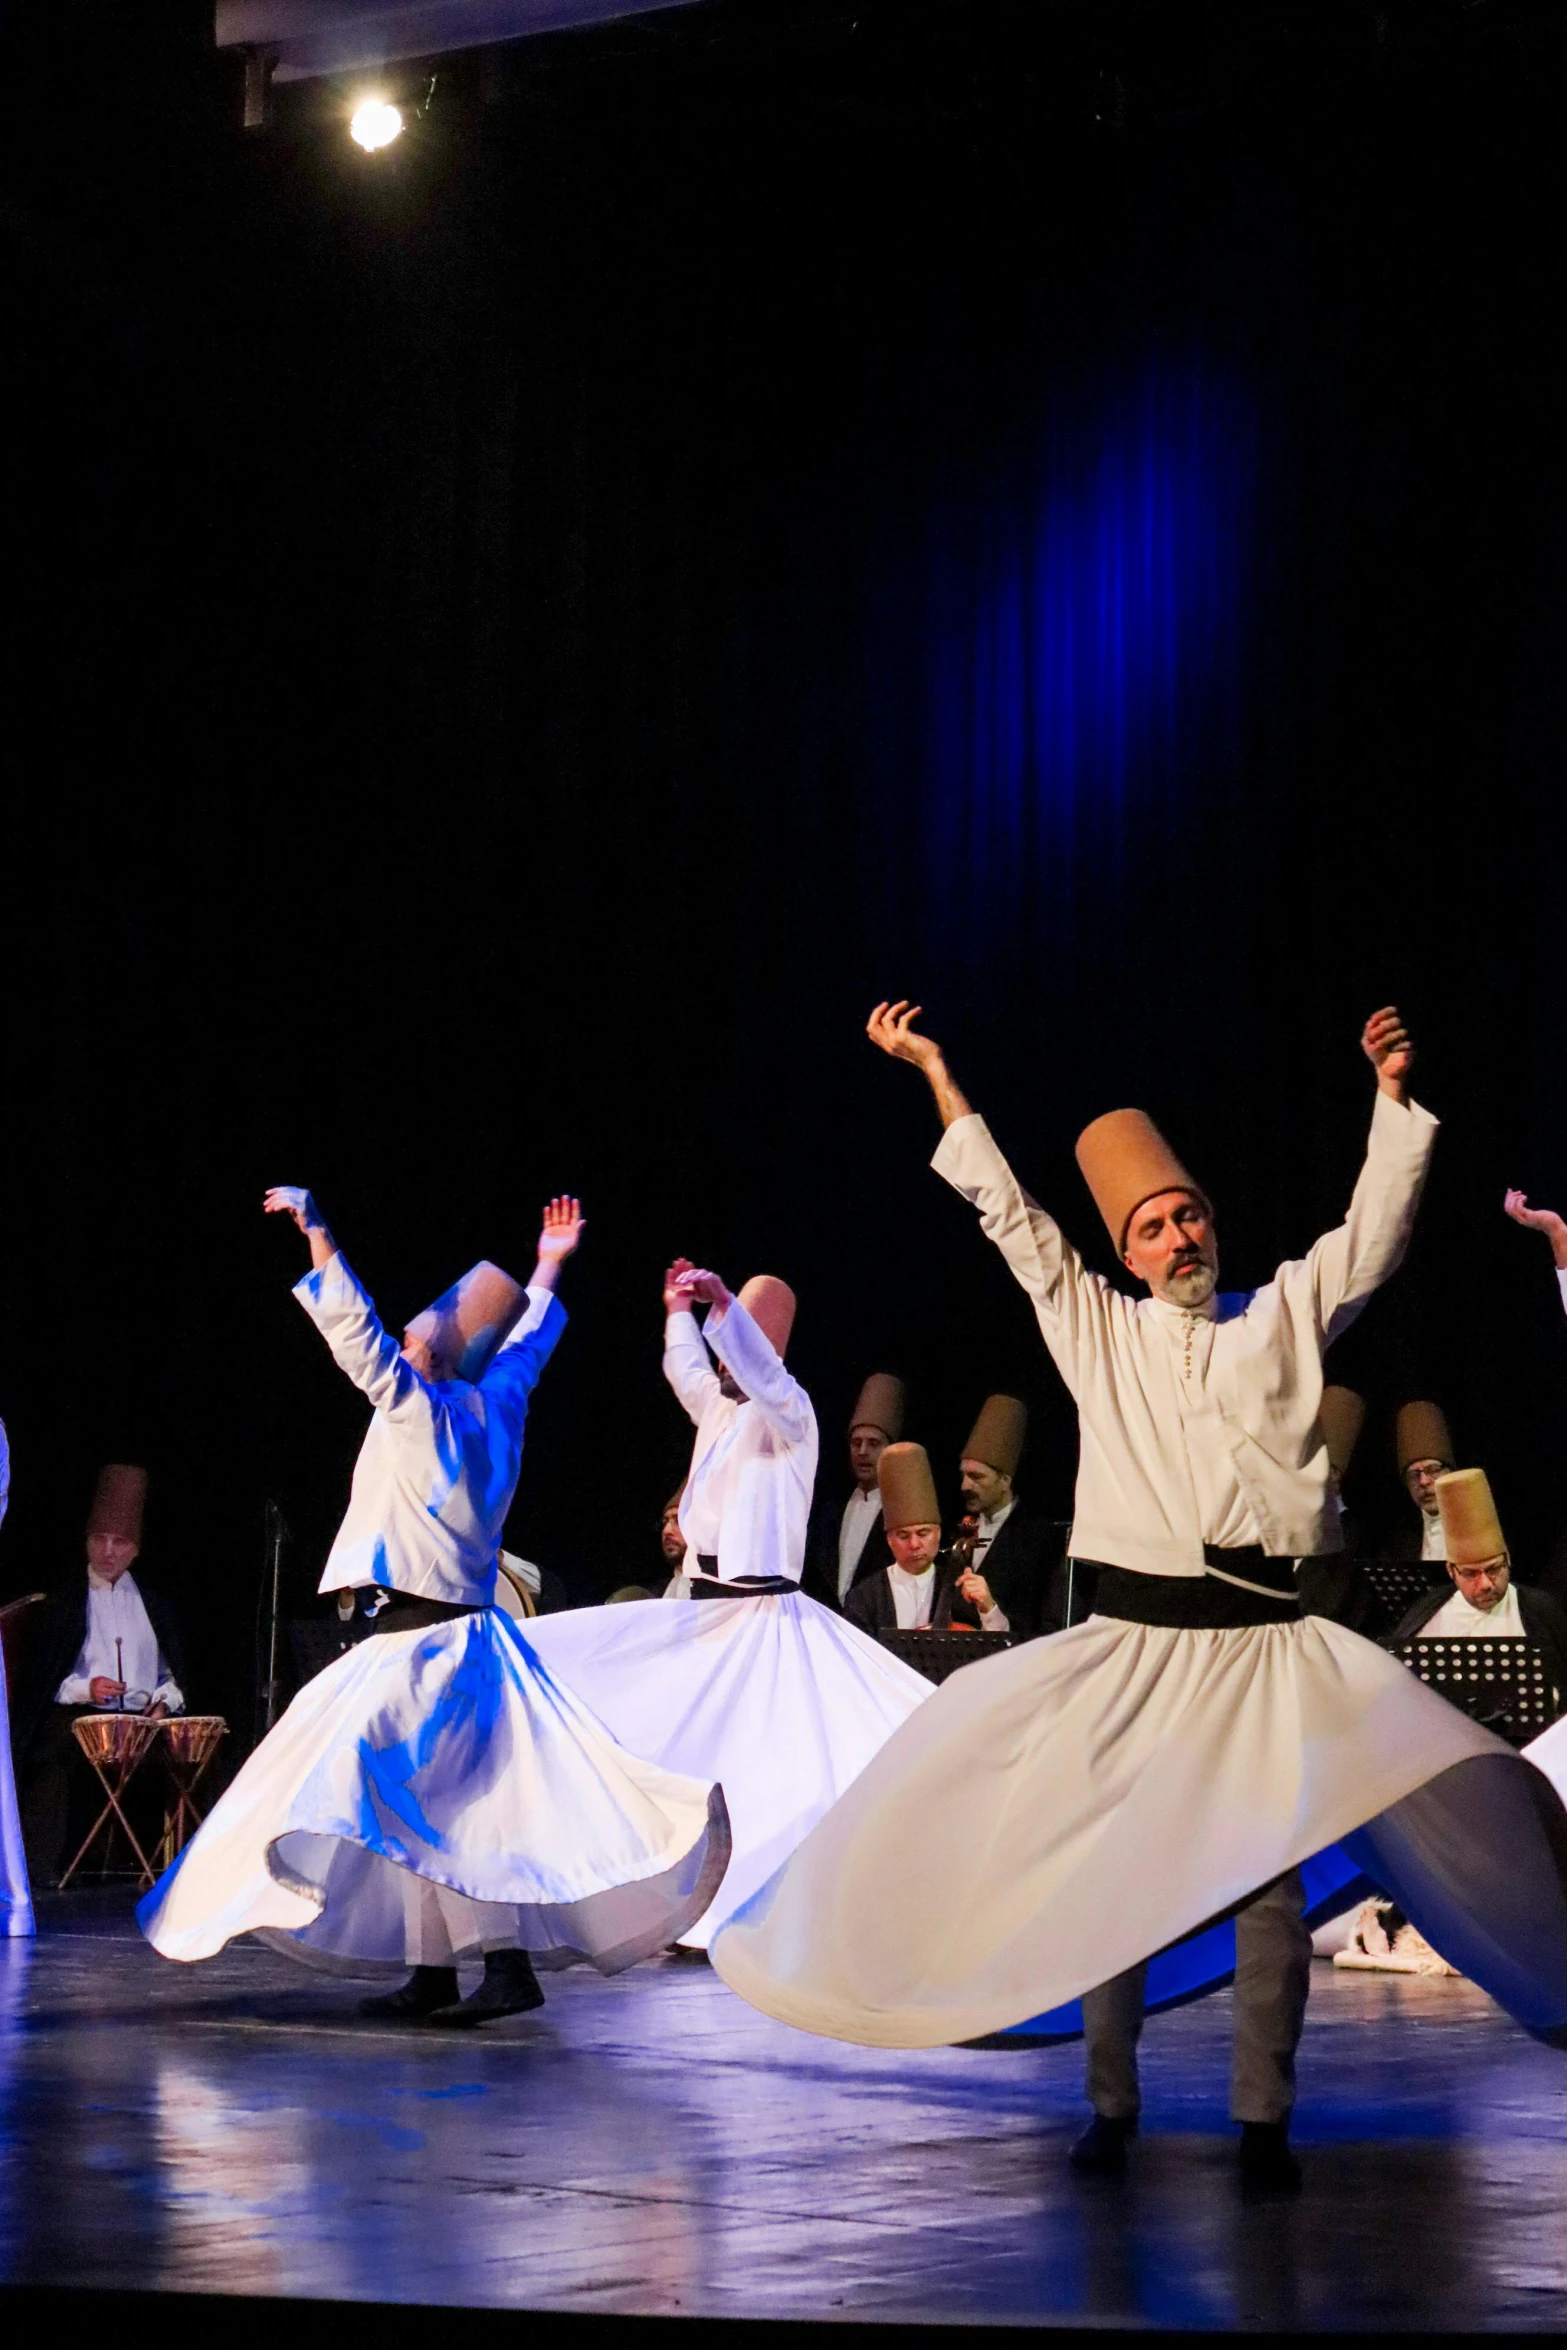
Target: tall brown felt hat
(674,1501)
(880,1405)
(1125,1160)
(908,1490)
(770,1304)
(467,1325)
(1421,1433)
(1469,1519)
(118,1502)
(1341,1416)
(996,1437)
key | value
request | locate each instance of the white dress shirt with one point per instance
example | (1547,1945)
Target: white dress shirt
(1245,1412)
(748,1494)
(1433,1539)
(911,1596)
(861,1516)
(116,1611)
(438,1466)
(1457,1620)
(987,1526)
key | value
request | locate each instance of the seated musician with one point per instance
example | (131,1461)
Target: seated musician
(1480,1600)
(106,1643)
(1009,1548)
(923,1586)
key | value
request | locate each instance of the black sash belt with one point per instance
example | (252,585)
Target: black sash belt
(1197,1603)
(744,1586)
(404,1612)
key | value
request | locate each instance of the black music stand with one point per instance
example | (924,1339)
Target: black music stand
(1502,1684)
(936,1654)
(1398,1583)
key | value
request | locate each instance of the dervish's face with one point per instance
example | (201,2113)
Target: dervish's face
(729,1386)
(109,1555)
(1483,1587)
(420,1356)
(914,1546)
(984,1489)
(1171,1245)
(866,1446)
(672,1541)
(1421,1477)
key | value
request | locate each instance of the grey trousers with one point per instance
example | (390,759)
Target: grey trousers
(1272,1977)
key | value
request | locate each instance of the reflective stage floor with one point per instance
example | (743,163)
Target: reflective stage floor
(650,2145)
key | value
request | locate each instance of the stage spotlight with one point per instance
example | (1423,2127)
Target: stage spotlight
(375,124)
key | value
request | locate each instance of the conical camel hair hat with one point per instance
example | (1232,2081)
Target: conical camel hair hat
(908,1490)
(770,1304)
(465,1327)
(1125,1160)
(1469,1519)
(1341,1416)
(879,1404)
(118,1501)
(1421,1433)
(997,1435)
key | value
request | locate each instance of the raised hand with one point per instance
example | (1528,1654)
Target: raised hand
(1386,1045)
(707,1286)
(679,1296)
(287,1199)
(1544,1220)
(891,1028)
(564,1225)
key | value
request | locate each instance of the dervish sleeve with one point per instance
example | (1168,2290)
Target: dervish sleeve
(1561,1283)
(347,1320)
(517,1367)
(1072,1304)
(1347,1264)
(5,1469)
(758,1368)
(687,1368)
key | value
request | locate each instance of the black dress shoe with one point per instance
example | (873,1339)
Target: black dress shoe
(1266,2161)
(1100,2153)
(510,1987)
(427,1988)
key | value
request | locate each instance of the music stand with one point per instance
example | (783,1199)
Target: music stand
(1504,1685)
(936,1654)
(1398,1583)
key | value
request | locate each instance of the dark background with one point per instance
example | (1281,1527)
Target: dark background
(517,642)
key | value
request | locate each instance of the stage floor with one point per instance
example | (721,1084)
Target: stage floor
(649,2144)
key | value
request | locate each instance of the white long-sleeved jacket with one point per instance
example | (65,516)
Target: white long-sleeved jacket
(1247,1408)
(438,1466)
(748,1493)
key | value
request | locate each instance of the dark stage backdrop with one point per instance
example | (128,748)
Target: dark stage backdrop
(523,639)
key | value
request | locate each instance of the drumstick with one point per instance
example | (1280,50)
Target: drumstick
(119,1674)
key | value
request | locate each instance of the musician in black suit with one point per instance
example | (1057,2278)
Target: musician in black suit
(1014,1554)
(1477,1598)
(106,1641)
(920,1588)
(846,1547)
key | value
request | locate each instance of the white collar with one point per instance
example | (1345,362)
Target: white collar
(923,1575)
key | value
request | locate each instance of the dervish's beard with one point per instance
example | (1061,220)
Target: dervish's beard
(1192,1285)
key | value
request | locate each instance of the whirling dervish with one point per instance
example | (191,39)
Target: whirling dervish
(435,1794)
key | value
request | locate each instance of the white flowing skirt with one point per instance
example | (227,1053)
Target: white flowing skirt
(427,1765)
(776,1697)
(16,1901)
(1057,1814)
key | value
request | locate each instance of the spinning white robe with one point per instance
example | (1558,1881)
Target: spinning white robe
(16,1901)
(434,1791)
(780,1700)
(1055,1815)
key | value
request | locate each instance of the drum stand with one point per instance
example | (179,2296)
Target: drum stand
(116,1761)
(189,1744)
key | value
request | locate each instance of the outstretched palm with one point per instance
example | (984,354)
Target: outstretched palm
(290,1199)
(1386,1044)
(891,1027)
(564,1225)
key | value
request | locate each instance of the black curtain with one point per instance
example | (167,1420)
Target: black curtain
(526,637)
